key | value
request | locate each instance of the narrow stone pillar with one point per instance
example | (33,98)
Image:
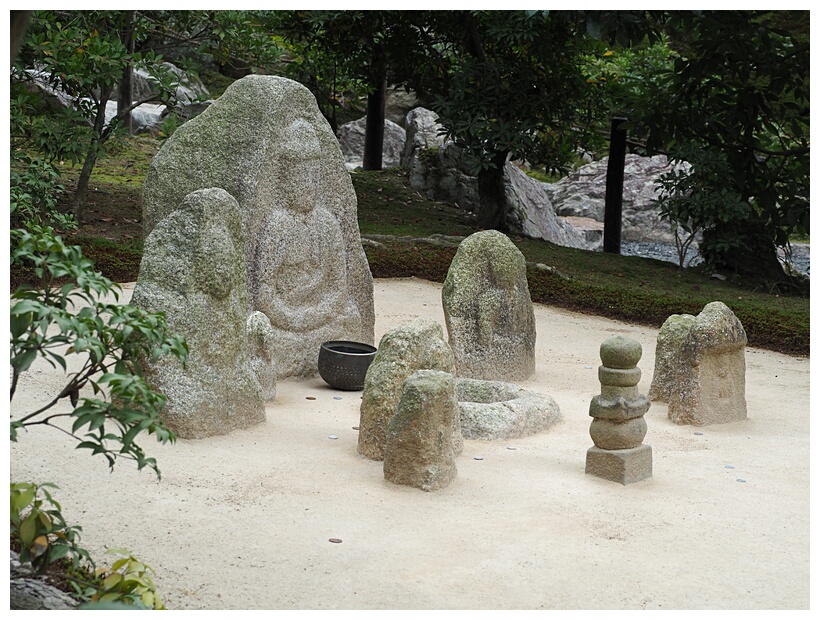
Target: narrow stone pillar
(618,426)
(419,450)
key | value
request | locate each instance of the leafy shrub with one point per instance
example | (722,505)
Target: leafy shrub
(37,521)
(696,199)
(33,195)
(52,323)
(128,580)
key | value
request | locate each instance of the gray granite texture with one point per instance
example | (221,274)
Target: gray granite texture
(416,345)
(710,378)
(193,270)
(488,310)
(493,410)
(419,447)
(265,142)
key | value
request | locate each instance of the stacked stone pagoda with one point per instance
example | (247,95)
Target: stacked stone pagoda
(618,426)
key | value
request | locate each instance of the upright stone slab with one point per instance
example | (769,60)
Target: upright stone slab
(419,448)
(673,332)
(265,142)
(193,270)
(618,426)
(488,310)
(413,346)
(710,379)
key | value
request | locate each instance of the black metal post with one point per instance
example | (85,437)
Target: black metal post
(613,204)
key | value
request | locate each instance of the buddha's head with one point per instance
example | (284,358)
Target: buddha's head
(298,173)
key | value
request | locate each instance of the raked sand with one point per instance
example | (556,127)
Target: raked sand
(244,521)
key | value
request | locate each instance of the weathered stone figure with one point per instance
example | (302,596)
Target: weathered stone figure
(416,345)
(419,447)
(193,270)
(705,381)
(488,310)
(618,426)
(299,270)
(265,142)
(673,332)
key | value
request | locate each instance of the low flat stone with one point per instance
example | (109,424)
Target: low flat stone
(491,410)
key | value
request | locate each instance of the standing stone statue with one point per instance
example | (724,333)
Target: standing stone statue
(700,367)
(488,310)
(299,272)
(265,142)
(419,448)
(193,270)
(618,426)
(417,345)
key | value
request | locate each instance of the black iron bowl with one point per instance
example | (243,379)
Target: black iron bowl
(344,363)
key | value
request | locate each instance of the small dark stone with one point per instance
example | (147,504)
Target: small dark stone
(335,540)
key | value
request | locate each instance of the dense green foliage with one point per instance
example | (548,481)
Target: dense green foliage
(726,91)
(46,542)
(54,322)
(734,103)
(81,56)
(37,522)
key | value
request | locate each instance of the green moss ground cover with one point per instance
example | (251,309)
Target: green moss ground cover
(633,289)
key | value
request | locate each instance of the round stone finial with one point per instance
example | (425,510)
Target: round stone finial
(620,352)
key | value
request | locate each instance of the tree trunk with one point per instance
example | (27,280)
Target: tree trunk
(492,202)
(374,125)
(124,98)
(19,23)
(614,198)
(78,200)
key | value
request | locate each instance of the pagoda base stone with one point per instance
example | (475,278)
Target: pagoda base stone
(624,466)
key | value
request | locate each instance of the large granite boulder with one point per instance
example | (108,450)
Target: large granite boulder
(531,213)
(265,142)
(419,446)
(439,170)
(193,270)
(705,356)
(582,194)
(488,310)
(398,103)
(492,410)
(417,345)
(351,141)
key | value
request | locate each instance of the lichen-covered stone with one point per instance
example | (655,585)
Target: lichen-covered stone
(262,341)
(673,332)
(609,434)
(618,426)
(488,310)
(492,410)
(416,345)
(622,353)
(419,444)
(193,270)
(710,379)
(265,142)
